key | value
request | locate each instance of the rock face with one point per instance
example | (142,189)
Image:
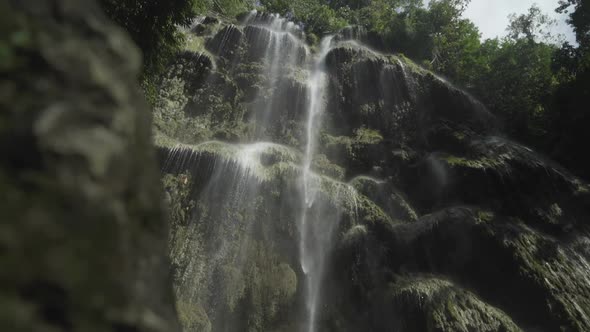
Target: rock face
(429,219)
(82,238)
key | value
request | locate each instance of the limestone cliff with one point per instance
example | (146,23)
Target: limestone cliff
(408,211)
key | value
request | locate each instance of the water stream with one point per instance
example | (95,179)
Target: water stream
(232,174)
(313,245)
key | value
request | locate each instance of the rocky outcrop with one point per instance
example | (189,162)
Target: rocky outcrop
(439,223)
(83,237)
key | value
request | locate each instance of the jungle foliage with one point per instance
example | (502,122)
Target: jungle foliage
(530,79)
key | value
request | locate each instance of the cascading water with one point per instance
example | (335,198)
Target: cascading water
(312,245)
(231,174)
(283,50)
(234,173)
(294,176)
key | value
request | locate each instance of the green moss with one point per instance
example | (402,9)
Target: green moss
(580,188)
(298,74)
(459,135)
(437,305)
(353,148)
(180,204)
(195,44)
(481,163)
(370,213)
(312,40)
(367,136)
(249,75)
(559,271)
(407,63)
(484,216)
(232,286)
(322,164)
(193,317)
(368,109)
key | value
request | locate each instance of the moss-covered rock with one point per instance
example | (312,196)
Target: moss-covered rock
(387,197)
(430,304)
(193,317)
(431,221)
(83,237)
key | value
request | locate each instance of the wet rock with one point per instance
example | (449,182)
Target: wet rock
(387,197)
(210,20)
(226,42)
(262,40)
(527,264)
(430,304)
(437,223)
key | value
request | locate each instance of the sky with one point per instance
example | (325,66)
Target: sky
(491,16)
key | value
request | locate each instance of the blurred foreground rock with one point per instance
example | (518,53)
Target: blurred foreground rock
(82,237)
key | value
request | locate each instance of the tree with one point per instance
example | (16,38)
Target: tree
(455,51)
(153,26)
(534,25)
(579,19)
(516,84)
(569,116)
(315,16)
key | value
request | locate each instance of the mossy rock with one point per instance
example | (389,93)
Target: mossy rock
(81,197)
(226,42)
(474,231)
(386,196)
(430,304)
(193,318)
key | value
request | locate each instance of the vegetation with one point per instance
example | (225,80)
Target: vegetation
(153,26)
(537,87)
(568,115)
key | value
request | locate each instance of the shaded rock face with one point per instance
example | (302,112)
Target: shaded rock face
(430,220)
(83,236)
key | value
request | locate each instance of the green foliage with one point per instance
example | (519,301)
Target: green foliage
(225,8)
(515,82)
(532,25)
(537,88)
(456,51)
(153,26)
(435,35)
(579,19)
(315,16)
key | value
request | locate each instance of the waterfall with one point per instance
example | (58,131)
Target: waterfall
(234,180)
(282,51)
(312,245)
(230,177)
(296,179)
